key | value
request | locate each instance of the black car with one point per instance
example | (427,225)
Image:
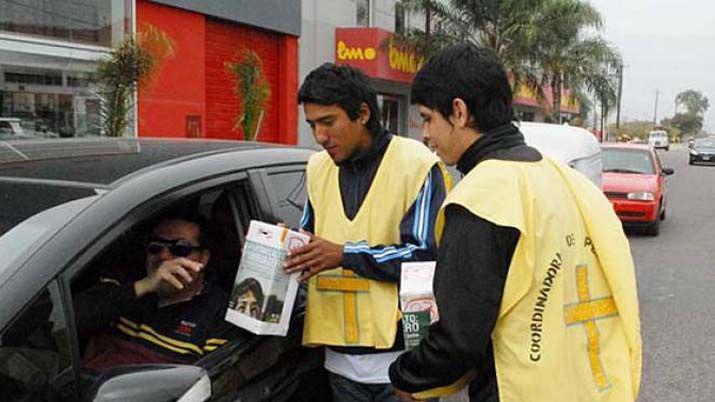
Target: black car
(67,204)
(703,151)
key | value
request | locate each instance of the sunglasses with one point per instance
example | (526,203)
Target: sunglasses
(177,248)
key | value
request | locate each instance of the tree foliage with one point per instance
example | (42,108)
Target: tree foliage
(687,123)
(695,103)
(543,43)
(133,63)
(252,90)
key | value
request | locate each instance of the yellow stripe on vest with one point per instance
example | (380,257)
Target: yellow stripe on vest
(586,312)
(591,310)
(342,283)
(349,285)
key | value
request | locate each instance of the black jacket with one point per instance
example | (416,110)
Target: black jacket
(472,267)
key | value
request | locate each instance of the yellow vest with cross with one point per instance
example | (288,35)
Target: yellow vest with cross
(344,309)
(568,328)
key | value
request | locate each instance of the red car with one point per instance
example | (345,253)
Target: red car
(634,182)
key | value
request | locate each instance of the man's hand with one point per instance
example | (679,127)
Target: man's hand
(176,272)
(404,396)
(316,256)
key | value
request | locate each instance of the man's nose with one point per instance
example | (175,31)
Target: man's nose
(165,254)
(425,136)
(321,136)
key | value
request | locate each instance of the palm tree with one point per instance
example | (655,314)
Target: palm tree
(499,25)
(134,62)
(563,54)
(252,90)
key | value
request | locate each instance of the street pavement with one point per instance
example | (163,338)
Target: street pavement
(676,280)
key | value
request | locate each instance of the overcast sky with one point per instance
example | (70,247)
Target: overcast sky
(667,45)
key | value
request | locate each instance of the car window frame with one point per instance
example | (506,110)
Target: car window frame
(266,196)
(133,217)
(293,168)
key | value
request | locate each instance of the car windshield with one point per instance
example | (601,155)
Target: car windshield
(635,161)
(705,143)
(23,238)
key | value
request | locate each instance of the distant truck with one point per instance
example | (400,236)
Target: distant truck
(658,139)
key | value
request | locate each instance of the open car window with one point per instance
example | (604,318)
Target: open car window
(35,351)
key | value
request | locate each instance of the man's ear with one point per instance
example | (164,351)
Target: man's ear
(365,114)
(460,113)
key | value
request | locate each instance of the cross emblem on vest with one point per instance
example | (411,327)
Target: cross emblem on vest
(585,312)
(349,284)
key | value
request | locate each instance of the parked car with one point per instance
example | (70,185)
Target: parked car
(658,139)
(702,151)
(573,146)
(634,182)
(65,205)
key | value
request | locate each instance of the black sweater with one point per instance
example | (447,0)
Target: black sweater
(472,266)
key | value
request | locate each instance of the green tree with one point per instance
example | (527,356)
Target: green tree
(563,53)
(252,90)
(687,123)
(133,63)
(499,25)
(694,102)
(543,43)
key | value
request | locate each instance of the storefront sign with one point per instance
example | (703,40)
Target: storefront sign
(369,50)
(525,96)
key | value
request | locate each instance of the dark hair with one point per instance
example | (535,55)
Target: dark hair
(187,215)
(346,86)
(249,284)
(472,74)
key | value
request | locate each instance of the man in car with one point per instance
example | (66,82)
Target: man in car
(372,202)
(535,282)
(172,313)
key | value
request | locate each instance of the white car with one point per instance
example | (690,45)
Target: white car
(573,146)
(658,139)
(10,128)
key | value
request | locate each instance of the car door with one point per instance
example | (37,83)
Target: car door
(35,350)
(234,195)
(661,179)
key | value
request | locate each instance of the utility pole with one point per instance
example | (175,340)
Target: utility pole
(655,114)
(620,92)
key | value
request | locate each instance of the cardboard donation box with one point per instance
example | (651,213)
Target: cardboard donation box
(263,294)
(419,308)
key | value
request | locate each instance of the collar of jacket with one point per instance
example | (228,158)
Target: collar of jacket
(361,158)
(496,139)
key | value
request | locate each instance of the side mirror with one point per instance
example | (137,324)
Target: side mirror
(151,382)
(668,171)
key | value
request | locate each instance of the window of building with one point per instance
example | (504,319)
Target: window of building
(390,112)
(91,22)
(49,88)
(363,12)
(400,18)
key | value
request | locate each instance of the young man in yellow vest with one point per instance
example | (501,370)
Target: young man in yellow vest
(372,204)
(535,282)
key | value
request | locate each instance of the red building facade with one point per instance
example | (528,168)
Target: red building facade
(193,95)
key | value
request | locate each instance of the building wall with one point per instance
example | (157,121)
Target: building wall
(275,15)
(278,53)
(179,90)
(195,86)
(317,41)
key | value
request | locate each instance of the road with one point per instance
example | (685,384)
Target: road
(676,280)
